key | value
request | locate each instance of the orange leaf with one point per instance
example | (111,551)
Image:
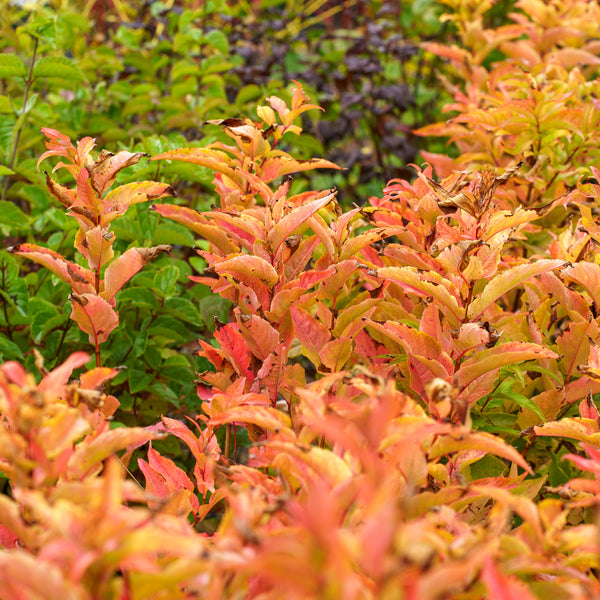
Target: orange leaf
(94,315)
(123,268)
(54,382)
(79,278)
(103,173)
(252,266)
(296,217)
(93,451)
(117,201)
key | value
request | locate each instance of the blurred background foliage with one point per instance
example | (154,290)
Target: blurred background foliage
(146,76)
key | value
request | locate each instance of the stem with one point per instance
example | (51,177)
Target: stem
(227,449)
(28,84)
(4,301)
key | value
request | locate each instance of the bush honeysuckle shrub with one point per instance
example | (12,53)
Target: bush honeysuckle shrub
(94,206)
(526,91)
(401,402)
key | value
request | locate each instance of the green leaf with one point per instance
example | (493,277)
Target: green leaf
(12,66)
(218,40)
(249,93)
(58,66)
(525,402)
(6,106)
(166,279)
(139,343)
(164,393)
(137,296)
(9,350)
(13,216)
(488,466)
(139,380)
(178,374)
(169,328)
(214,307)
(183,309)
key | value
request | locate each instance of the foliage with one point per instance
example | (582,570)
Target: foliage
(398,400)
(147,78)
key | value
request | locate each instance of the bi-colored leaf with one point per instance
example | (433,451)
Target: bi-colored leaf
(492,359)
(411,281)
(578,428)
(103,173)
(323,462)
(296,217)
(96,245)
(123,268)
(501,586)
(117,201)
(198,223)
(94,315)
(481,440)
(336,353)
(312,334)
(266,417)
(251,266)
(280,165)
(507,281)
(64,195)
(586,274)
(79,278)
(90,453)
(216,160)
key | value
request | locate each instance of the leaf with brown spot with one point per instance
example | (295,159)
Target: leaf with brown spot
(103,173)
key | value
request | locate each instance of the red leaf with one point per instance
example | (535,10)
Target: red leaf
(234,347)
(260,336)
(312,334)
